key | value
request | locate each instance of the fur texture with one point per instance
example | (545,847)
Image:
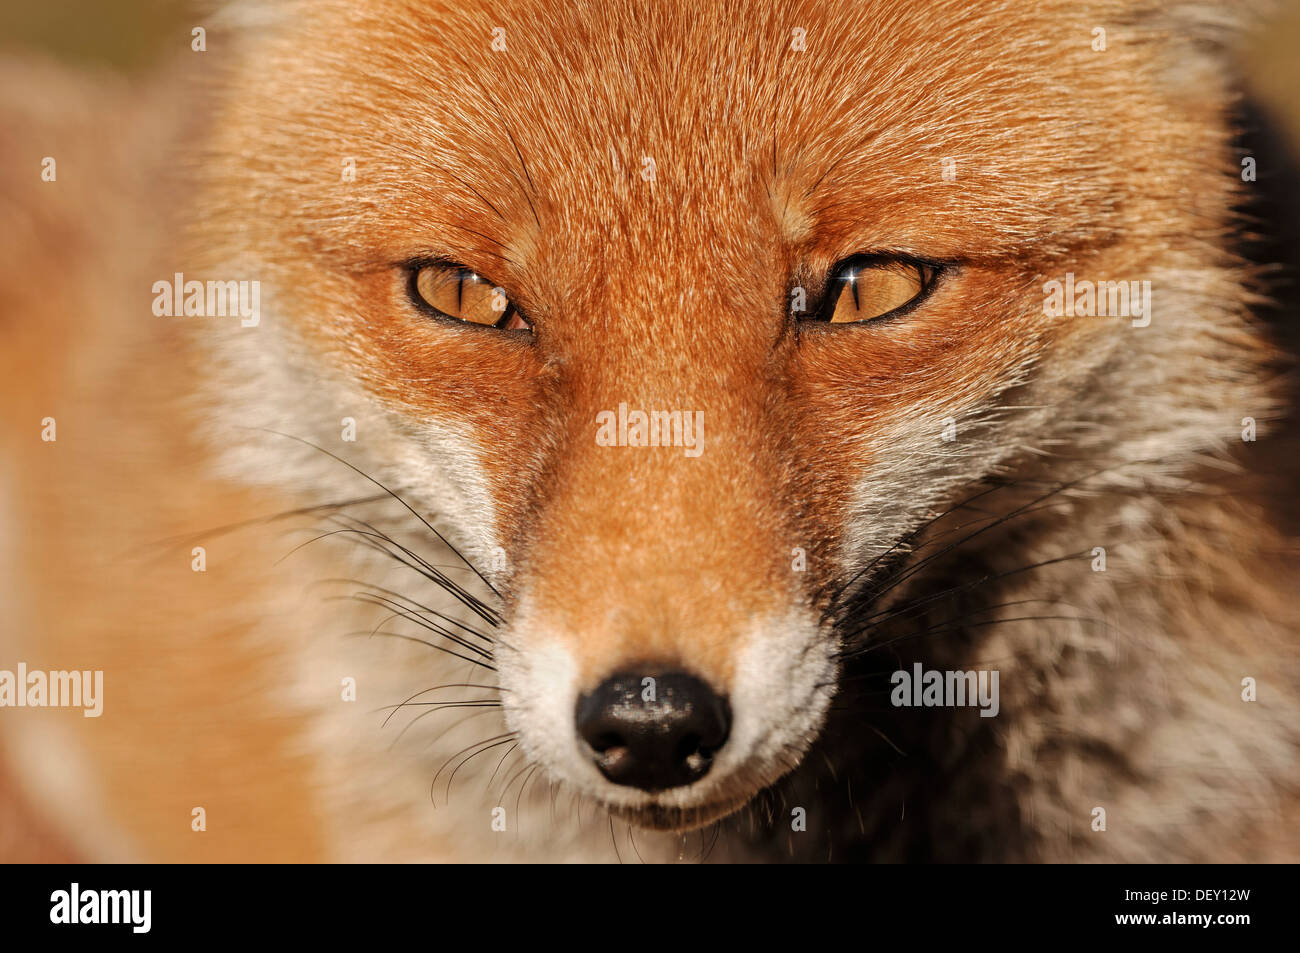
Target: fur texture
(1121,689)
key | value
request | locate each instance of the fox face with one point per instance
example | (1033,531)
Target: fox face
(683,318)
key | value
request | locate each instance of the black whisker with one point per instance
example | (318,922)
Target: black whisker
(372,540)
(394,495)
(508,736)
(885,615)
(452,777)
(459,623)
(509,751)
(426,569)
(432,645)
(411,699)
(400,612)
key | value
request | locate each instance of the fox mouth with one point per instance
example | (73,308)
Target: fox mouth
(678,820)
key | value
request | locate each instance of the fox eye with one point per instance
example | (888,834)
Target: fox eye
(867,287)
(463,295)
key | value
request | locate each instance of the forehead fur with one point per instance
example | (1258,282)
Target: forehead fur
(830,140)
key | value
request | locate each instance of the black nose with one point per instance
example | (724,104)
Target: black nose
(654,731)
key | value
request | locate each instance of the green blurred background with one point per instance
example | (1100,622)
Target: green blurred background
(129,35)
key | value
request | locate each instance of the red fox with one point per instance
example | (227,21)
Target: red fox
(661,431)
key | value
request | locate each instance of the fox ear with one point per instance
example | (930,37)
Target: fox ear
(1218,22)
(1212,27)
(1201,41)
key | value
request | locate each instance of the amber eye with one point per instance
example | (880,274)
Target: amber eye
(868,287)
(464,295)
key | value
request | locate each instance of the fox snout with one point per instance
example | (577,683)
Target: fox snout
(664,655)
(653,731)
(670,681)
(661,746)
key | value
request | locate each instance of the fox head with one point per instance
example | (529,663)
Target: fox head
(681,316)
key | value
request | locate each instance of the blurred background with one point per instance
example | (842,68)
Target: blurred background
(126,35)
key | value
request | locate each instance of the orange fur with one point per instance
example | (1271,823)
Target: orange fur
(770,165)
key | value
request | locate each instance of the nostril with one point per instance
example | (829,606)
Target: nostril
(615,760)
(657,740)
(694,755)
(605,742)
(688,747)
